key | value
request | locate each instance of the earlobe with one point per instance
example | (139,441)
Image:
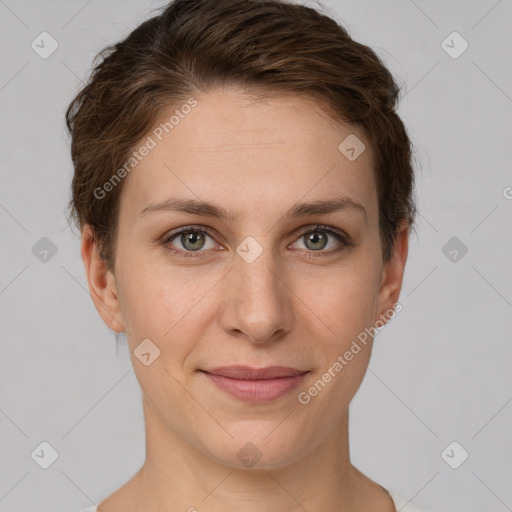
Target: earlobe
(392,275)
(102,286)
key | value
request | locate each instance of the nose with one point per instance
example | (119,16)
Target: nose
(257,300)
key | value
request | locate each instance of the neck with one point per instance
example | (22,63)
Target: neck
(177,476)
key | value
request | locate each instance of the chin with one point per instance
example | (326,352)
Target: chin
(260,448)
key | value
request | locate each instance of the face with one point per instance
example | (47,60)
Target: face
(270,283)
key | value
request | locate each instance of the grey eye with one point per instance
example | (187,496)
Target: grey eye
(192,240)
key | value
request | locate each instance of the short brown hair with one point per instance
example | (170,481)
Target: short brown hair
(268,47)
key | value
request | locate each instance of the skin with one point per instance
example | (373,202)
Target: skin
(255,159)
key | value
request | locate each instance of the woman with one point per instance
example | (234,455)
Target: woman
(244,190)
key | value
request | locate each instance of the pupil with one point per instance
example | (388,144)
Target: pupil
(193,238)
(314,237)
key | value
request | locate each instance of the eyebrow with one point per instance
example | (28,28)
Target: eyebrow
(298,210)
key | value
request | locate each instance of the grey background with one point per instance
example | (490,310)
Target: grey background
(440,371)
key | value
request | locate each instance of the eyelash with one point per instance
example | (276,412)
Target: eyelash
(343,239)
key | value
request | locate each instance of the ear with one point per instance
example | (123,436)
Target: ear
(101,282)
(392,275)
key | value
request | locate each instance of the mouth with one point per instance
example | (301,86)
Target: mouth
(256,384)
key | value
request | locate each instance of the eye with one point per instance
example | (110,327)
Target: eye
(192,240)
(317,239)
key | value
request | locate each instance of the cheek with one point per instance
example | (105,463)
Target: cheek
(344,306)
(344,301)
(146,302)
(163,306)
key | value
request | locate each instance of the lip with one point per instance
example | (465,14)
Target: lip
(248,373)
(256,384)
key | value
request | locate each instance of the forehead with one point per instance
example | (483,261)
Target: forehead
(245,153)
